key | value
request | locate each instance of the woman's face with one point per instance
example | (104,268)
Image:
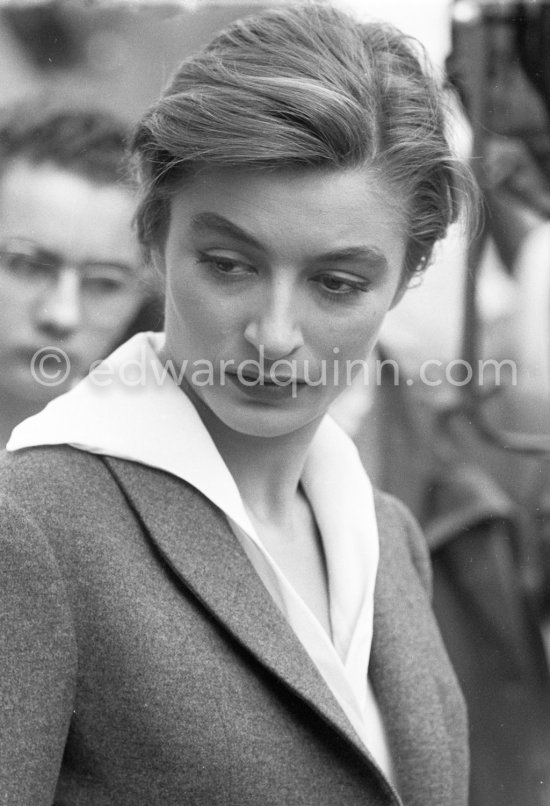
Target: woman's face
(275,284)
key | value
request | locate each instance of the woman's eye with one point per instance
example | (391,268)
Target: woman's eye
(341,286)
(335,284)
(226,266)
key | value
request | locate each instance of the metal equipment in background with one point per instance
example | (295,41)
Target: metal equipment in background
(500,66)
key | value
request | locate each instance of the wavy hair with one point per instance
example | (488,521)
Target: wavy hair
(306,86)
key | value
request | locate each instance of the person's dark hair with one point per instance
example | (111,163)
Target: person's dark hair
(90,142)
(305,86)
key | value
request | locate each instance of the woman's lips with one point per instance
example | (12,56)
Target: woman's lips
(266,388)
(266,380)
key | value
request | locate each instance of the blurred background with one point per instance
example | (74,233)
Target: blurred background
(121,52)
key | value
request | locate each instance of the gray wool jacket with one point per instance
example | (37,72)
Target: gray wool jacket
(143,662)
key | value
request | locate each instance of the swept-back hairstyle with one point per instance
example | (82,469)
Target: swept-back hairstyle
(90,142)
(305,86)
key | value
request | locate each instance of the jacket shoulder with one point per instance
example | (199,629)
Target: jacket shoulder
(399,529)
(67,475)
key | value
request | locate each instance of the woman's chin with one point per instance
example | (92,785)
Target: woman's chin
(251,417)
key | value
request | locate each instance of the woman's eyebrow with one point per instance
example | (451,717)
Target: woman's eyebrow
(366,254)
(222,226)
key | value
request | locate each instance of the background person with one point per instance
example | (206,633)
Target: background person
(205,601)
(71,279)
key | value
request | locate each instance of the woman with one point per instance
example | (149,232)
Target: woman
(203,601)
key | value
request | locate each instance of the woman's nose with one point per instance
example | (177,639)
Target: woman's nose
(275,326)
(59,308)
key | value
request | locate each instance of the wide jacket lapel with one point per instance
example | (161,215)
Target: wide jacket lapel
(196,541)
